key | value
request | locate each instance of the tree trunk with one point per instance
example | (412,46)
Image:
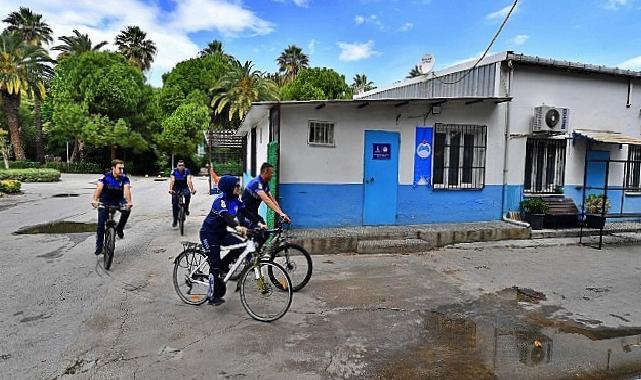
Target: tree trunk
(40,150)
(5,153)
(11,104)
(74,154)
(114,152)
(81,149)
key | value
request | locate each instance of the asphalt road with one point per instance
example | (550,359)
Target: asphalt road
(447,314)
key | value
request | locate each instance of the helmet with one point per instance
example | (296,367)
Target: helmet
(227,183)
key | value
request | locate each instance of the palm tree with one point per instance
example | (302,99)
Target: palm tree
(291,61)
(34,31)
(239,88)
(361,84)
(79,43)
(30,26)
(415,72)
(134,45)
(22,67)
(214,47)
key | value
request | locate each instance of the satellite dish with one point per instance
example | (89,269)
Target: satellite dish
(426,64)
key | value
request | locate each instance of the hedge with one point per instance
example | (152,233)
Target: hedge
(76,167)
(9,186)
(31,175)
(24,165)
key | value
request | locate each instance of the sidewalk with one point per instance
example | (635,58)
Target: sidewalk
(421,238)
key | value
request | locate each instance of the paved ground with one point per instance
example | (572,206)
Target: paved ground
(466,312)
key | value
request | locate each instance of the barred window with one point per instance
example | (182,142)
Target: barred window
(459,156)
(633,169)
(321,133)
(544,165)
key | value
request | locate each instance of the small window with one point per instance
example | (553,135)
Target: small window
(459,156)
(321,133)
(544,165)
(633,169)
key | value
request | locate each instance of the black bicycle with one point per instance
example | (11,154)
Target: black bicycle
(292,257)
(110,234)
(182,208)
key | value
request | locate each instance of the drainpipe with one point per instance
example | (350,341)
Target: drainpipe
(507,138)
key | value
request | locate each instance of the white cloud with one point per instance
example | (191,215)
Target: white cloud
(358,20)
(520,39)
(501,13)
(373,19)
(302,3)
(616,4)
(104,19)
(406,27)
(355,51)
(631,64)
(312,46)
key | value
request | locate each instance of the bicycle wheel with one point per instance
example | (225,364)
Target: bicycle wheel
(296,261)
(191,284)
(181,220)
(110,246)
(261,299)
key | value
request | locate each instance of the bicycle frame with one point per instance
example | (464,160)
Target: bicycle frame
(250,247)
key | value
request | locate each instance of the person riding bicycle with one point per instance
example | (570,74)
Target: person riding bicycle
(257,191)
(113,189)
(180,183)
(226,211)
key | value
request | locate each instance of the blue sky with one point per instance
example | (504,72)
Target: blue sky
(380,38)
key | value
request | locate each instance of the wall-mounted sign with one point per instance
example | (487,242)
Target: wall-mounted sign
(381,151)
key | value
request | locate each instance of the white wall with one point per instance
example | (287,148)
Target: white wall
(595,101)
(301,163)
(262,139)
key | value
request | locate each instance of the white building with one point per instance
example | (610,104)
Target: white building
(485,155)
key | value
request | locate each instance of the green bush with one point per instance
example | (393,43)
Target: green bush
(23,165)
(31,175)
(230,167)
(76,167)
(9,186)
(534,206)
(594,203)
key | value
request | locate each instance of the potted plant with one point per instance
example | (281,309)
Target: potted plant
(534,210)
(594,208)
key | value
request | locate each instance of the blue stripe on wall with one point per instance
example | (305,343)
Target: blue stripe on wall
(513,197)
(321,205)
(631,204)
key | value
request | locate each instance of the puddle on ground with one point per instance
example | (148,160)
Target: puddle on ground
(65,195)
(496,338)
(60,227)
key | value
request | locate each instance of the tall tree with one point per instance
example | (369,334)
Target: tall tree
(20,67)
(292,61)
(361,83)
(76,44)
(136,47)
(239,88)
(415,72)
(34,31)
(317,83)
(30,26)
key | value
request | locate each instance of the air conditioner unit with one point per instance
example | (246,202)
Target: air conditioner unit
(551,119)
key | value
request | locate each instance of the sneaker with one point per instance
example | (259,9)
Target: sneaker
(174,224)
(120,233)
(98,252)
(216,301)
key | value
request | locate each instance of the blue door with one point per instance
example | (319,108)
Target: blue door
(381,177)
(596,171)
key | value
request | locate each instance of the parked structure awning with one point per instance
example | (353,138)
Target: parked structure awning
(607,137)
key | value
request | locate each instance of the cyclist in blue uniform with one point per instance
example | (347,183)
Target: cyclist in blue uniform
(180,182)
(257,191)
(226,211)
(113,189)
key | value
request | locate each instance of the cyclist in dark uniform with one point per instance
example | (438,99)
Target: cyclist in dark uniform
(257,191)
(180,182)
(113,189)
(226,211)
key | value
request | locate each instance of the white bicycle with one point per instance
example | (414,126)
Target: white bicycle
(265,287)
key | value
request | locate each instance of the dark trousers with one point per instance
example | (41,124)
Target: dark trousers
(174,200)
(103,215)
(212,242)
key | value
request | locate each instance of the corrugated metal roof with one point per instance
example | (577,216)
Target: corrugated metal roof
(608,137)
(573,66)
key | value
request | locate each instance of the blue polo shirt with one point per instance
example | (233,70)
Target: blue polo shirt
(215,221)
(250,197)
(180,179)
(113,189)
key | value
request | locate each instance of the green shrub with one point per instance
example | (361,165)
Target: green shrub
(594,203)
(31,175)
(230,167)
(23,165)
(534,206)
(9,186)
(76,167)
